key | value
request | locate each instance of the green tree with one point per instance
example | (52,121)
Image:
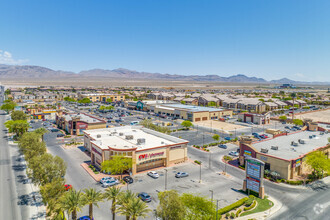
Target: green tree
(113,193)
(183,102)
(41,131)
(18,115)
(293,96)
(117,164)
(69,99)
(72,202)
(319,162)
(136,208)
(51,194)
(187,124)
(216,137)
(45,168)
(212,103)
(109,100)
(84,101)
(198,207)
(8,106)
(91,198)
(18,127)
(31,146)
(298,122)
(123,201)
(7,92)
(170,206)
(283,118)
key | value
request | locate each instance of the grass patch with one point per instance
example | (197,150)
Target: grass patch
(263,205)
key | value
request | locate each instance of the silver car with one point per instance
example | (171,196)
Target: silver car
(109,183)
(153,174)
(104,179)
(181,174)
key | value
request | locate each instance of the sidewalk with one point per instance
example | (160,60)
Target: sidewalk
(265,214)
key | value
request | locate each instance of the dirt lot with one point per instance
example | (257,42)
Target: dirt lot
(218,125)
(322,116)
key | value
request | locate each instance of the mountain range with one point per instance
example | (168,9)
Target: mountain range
(31,72)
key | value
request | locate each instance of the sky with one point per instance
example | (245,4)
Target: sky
(262,38)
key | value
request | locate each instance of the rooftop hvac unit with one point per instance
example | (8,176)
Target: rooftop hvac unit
(162,142)
(129,137)
(134,130)
(274,147)
(121,133)
(141,140)
(98,136)
(264,150)
(294,143)
(301,141)
(310,136)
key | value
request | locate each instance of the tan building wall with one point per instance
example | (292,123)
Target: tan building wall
(96,126)
(279,165)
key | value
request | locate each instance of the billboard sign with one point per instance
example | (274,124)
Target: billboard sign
(253,168)
(253,184)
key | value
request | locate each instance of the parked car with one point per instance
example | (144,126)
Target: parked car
(109,183)
(233,153)
(222,146)
(128,179)
(54,130)
(263,136)
(181,174)
(85,218)
(67,187)
(227,138)
(104,179)
(60,135)
(153,174)
(144,197)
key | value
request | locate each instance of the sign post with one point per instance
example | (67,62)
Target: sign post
(254,176)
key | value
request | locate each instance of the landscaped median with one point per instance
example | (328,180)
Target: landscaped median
(245,206)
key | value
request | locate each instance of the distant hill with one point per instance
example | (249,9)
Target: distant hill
(16,72)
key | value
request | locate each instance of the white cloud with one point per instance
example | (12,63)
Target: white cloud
(7,58)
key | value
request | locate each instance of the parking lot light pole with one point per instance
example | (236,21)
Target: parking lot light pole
(200,171)
(211,195)
(165,179)
(216,214)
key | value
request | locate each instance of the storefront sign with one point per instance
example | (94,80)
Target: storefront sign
(247,153)
(82,126)
(150,155)
(253,168)
(252,184)
(298,162)
(175,147)
(263,158)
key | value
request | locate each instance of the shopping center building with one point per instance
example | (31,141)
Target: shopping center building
(148,149)
(285,153)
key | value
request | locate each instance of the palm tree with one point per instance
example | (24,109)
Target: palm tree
(112,193)
(92,197)
(124,200)
(293,96)
(135,208)
(72,201)
(41,131)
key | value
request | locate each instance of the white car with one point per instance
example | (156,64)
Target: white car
(233,153)
(153,174)
(104,179)
(109,183)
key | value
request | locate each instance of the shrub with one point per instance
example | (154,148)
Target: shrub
(233,206)
(238,212)
(227,158)
(251,206)
(198,162)
(232,215)
(97,172)
(227,215)
(298,182)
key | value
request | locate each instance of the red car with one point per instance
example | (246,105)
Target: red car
(263,136)
(67,187)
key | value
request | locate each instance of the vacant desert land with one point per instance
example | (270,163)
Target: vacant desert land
(219,125)
(322,116)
